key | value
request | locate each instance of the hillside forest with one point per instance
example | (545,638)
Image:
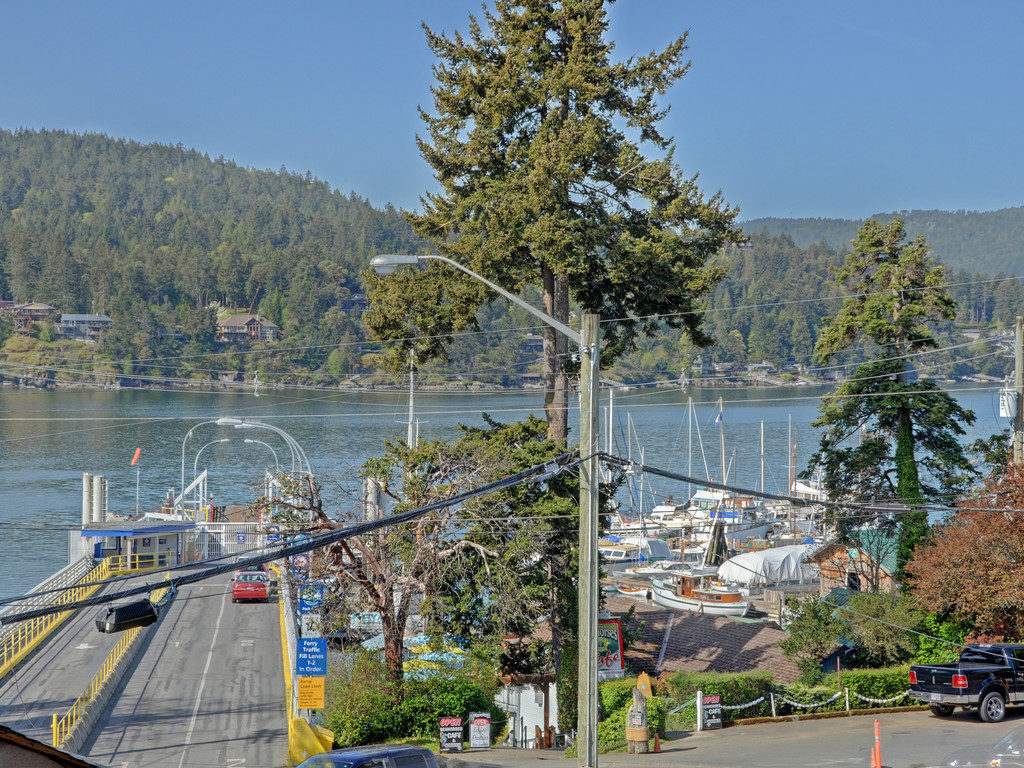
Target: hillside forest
(165,240)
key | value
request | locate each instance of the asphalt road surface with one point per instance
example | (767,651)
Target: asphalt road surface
(207,691)
(53,677)
(909,740)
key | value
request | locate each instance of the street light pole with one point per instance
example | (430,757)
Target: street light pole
(589,341)
(195,462)
(277,464)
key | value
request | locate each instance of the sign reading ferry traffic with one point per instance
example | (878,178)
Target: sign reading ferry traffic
(311,656)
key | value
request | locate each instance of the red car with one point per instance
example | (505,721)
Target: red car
(251,585)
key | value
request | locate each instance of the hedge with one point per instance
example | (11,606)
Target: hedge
(734,688)
(739,688)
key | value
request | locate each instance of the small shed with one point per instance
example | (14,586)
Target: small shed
(863,560)
(128,537)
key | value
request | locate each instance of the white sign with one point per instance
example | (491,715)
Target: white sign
(480,730)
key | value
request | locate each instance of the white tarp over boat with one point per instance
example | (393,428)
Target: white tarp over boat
(782,565)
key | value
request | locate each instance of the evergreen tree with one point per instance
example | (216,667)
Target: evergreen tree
(536,143)
(896,296)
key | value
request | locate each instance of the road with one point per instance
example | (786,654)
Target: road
(207,690)
(53,677)
(909,740)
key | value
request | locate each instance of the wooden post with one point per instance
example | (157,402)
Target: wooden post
(637,732)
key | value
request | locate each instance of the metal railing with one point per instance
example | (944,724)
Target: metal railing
(144,561)
(63,727)
(27,635)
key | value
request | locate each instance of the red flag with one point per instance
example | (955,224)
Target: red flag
(135,458)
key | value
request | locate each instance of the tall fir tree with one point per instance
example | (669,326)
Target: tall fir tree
(537,142)
(884,423)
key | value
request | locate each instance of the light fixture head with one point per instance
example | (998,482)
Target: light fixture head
(387,263)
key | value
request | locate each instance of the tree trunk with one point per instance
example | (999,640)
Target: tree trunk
(394,636)
(913,525)
(556,384)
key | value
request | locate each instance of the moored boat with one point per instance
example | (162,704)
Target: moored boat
(693,591)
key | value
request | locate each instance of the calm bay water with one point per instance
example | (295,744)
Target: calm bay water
(47,439)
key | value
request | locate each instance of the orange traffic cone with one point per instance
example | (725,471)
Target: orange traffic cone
(878,747)
(657,743)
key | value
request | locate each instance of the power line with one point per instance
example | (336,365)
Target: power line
(315,542)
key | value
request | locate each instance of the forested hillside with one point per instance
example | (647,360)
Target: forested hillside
(152,235)
(987,241)
(163,238)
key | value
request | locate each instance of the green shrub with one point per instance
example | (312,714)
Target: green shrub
(734,688)
(428,700)
(616,694)
(877,683)
(360,707)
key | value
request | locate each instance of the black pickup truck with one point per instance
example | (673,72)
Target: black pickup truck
(989,677)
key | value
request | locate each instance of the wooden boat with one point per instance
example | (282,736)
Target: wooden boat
(693,591)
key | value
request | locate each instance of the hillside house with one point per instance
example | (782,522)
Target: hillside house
(23,316)
(532,344)
(240,329)
(83,327)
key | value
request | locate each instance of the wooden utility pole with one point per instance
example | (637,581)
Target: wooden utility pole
(1018,386)
(587,703)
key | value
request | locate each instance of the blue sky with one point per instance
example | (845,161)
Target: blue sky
(791,108)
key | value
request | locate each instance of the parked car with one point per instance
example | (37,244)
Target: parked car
(987,677)
(373,757)
(1008,752)
(251,585)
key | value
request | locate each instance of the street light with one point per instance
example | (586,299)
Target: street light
(298,454)
(223,421)
(588,339)
(277,464)
(195,463)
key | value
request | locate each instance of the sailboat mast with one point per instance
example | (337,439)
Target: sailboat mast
(721,434)
(611,420)
(689,446)
(410,436)
(762,455)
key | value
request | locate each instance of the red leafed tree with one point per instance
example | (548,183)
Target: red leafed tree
(973,568)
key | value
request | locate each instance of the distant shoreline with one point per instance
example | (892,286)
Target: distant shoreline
(139,384)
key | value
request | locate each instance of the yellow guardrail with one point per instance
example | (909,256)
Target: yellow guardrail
(140,562)
(29,634)
(63,727)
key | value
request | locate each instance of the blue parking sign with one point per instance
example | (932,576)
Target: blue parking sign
(311,656)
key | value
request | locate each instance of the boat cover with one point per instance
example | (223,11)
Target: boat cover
(781,565)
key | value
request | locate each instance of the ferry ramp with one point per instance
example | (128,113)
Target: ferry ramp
(207,689)
(49,681)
